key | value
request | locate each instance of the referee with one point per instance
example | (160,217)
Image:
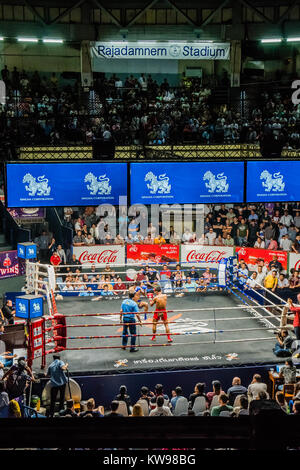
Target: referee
(130,310)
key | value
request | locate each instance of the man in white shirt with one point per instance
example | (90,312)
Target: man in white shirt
(282,282)
(187,236)
(160,409)
(211,236)
(252,282)
(285,243)
(260,275)
(286,219)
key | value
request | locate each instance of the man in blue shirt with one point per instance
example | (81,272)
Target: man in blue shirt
(130,310)
(58,381)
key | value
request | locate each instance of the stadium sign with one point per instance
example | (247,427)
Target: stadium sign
(100,255)
(161,50)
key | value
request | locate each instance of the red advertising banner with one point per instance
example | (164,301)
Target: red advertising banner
(251,255)
(141,254)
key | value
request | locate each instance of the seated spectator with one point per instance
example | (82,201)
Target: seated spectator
(281,402)
(223,406)
(296,407)
(273,245)
(283,283)
(259,243)
(113,410)
(91,409)
(211,237)
(122,396)
(159,240)
(187,236)
(137,410)
(159,391)
(288,373)
(198,392)
(286,243)
(4,400)
(229,241)
(251,283)
(244,406)
(177,395)
(160,409)
(275,264)
(207,275)
(190,286)
(193,274)
(14,410)
(217,390)
(202,286)
(219,241)
(89,240)
(79,239)
(294,281)
(119,286)
(235,390)
(262,403)
(284,344)
(69,412)
(255,387)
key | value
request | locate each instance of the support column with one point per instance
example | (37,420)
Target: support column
(235,63)
(86,65)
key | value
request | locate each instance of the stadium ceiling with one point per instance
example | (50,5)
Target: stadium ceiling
(76,20)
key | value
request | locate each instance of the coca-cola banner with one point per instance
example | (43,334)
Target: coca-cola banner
(251,255)
(100,254)
(294,261)
(9,264)
(140,254)
(208,256)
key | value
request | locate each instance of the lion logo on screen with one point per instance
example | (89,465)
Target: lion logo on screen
(272,182)
(37,186)
(215,183)
(98,185)
(158,185)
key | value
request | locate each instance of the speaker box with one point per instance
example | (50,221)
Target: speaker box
(103,150)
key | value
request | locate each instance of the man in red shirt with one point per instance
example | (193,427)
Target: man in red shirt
(120,287)
(296,322)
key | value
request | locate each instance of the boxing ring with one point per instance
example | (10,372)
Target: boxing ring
(226,325)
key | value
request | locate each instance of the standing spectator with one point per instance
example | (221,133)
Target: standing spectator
(242,232)
(9,312)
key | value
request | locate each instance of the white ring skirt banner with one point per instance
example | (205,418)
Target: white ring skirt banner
(160,50)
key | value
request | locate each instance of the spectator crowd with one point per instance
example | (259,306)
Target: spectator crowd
(139,110)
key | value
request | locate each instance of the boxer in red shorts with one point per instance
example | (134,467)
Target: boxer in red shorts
(160,313)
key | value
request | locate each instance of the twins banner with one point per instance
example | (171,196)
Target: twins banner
(273,181)
(175,183)
(160,50)
(65,184)
(143,254)
(251,255)
(204,255)
(100,255)
(9,265)
(28,214)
